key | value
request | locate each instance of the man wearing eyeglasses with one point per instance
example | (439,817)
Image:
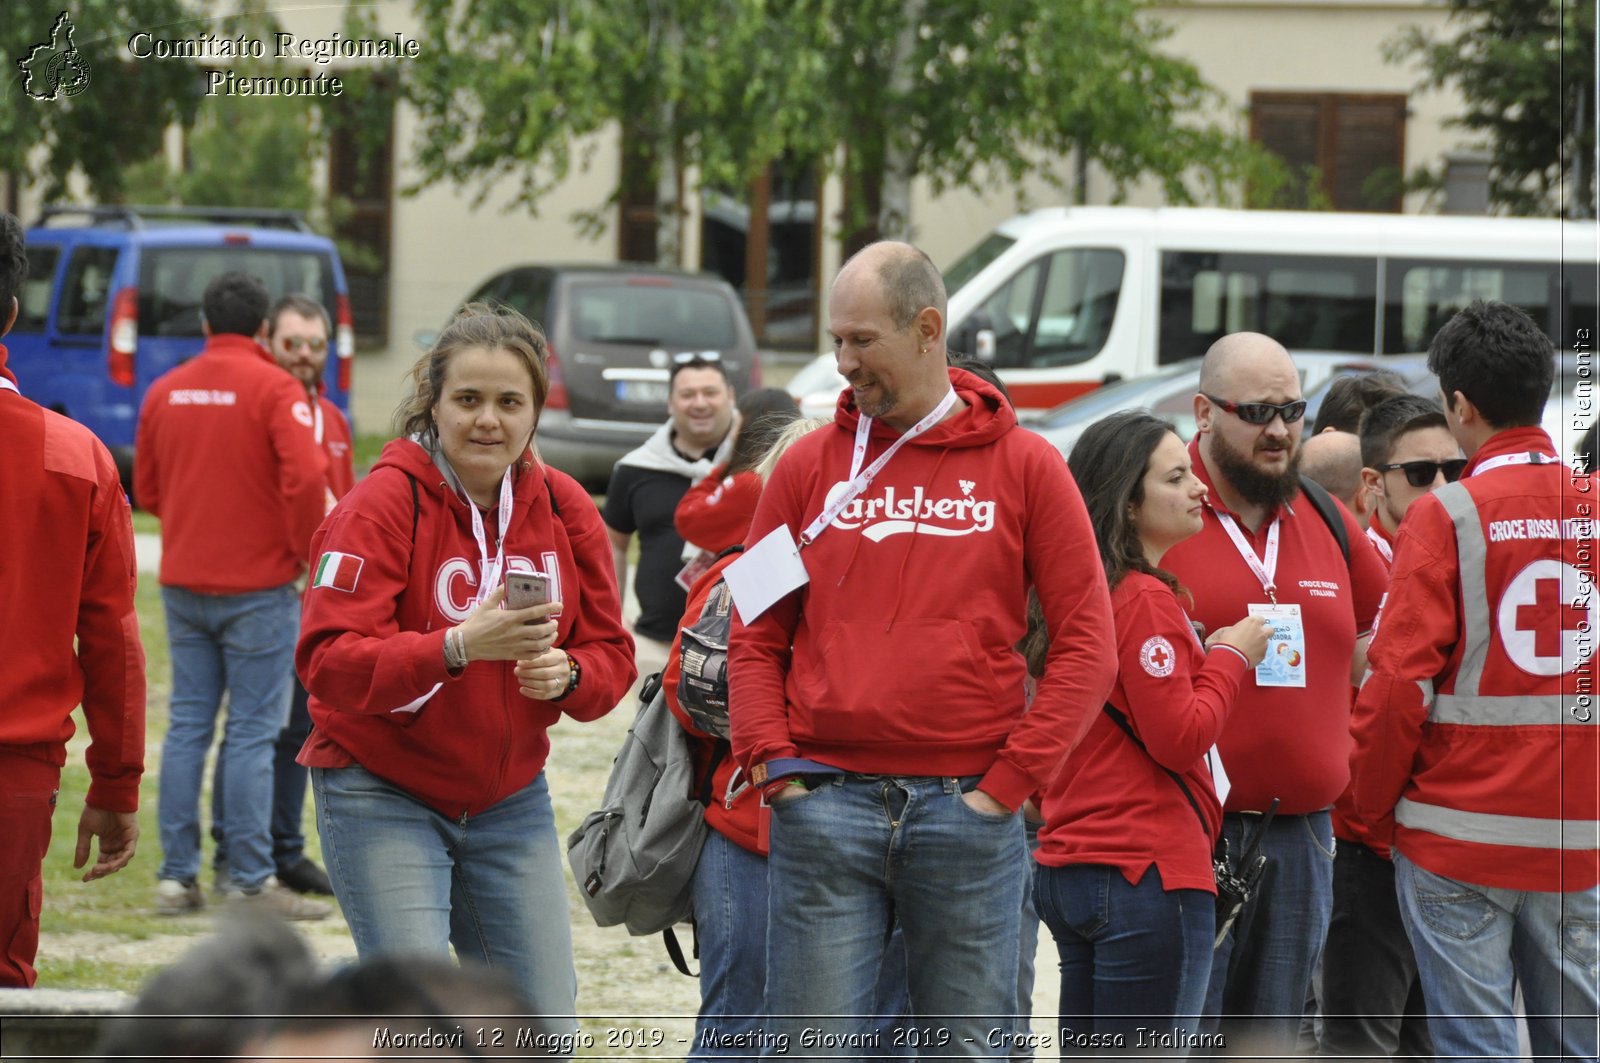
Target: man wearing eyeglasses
(1371,999)
(1477,753)
(298,328)
(1265,549)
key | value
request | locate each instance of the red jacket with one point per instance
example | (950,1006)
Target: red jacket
(68,573)
(737,819)
(1347,826)
(370,652)
(715,512)
(226,457)
(1292,743)
(1113,803)
(1476,750)
(338,446)
(899,655)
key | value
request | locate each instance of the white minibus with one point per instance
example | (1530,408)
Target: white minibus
(1065,299)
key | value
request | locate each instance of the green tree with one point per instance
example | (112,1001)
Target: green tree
(958,91)
(105,128)
(1526,72)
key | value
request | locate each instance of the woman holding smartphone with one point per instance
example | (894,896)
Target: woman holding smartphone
(1123,873)
(431,702)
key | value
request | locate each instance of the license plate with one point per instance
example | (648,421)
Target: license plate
(642,392)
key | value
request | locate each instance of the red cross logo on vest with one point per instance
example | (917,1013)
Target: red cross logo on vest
(1547,618)
(1156,656)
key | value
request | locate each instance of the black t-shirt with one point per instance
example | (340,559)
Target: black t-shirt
(644,501)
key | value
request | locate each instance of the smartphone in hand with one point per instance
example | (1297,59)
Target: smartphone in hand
(526,589)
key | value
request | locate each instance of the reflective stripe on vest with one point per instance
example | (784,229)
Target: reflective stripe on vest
(1485,828)
(1472,553)
(1548,710)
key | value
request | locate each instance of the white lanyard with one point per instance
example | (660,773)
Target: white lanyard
(859,480)
(1266,571)
(1384,549)
(316,418)
(1532,457)
(489,572)
(7,385)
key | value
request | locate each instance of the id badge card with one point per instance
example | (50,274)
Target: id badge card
(1285,662)
(765,572)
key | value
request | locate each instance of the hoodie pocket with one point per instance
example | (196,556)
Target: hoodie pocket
(924,681)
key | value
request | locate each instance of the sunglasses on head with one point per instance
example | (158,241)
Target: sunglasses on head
(1421,473)
(1262,412)
(685,357)
(292,342)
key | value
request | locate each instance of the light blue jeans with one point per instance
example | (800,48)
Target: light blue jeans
(241,644)
(854,856)
(410,880)
(1473,943)
(730,925)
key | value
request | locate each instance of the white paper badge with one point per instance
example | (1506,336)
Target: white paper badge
(1285,662)
(765,572)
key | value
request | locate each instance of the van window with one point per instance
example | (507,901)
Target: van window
(665,316)
(172,281)
(86,291)
(33,302)
(1424,293)
(527,291)
(1057,311)
(975,261)
(1305,302)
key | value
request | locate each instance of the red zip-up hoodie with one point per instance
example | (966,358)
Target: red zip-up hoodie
(372,643)
(898,657)
(226,456)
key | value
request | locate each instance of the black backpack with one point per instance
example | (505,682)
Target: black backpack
(703,657)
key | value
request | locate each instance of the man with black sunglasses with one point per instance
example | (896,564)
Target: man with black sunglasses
(1477,754)
(1265,549)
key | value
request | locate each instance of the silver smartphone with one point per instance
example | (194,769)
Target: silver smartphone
(526,589)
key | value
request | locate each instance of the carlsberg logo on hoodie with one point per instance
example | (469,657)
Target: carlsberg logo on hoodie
(890,512)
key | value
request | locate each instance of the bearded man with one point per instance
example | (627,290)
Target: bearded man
(1265,549)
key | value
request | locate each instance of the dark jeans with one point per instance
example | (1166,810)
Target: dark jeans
(288,789)
(1371,997)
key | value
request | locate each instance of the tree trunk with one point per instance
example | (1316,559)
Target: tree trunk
(899,155)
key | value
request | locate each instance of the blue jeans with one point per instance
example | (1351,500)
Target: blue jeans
(1133,958)
(1261,972)
(1473,942)
(410,880)
(730,918)
(242,644)
(857,854)
(289,781)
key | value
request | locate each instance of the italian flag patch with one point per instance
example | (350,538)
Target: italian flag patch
(339,571)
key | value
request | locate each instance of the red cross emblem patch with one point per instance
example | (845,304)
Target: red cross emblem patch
(1156,656)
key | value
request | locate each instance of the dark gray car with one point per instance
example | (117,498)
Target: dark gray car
(615,332)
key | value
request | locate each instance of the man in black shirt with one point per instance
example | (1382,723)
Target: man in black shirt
(649,481)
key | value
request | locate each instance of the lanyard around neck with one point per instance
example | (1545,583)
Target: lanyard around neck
(860,479)
(1266,570)
(7,385)
(1384,549)
(489,571)
(1532,457)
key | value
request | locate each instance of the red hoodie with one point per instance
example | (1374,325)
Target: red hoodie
(899,656)
(715,513)
(225,455)
(68,573)
(373,642)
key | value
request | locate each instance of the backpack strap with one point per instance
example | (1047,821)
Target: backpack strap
(416,508)
(1328,510)
(1127,728)
(675,950)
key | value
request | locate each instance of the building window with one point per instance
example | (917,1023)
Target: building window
(361,180)
(1348,147)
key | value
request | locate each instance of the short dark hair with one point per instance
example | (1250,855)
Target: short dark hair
(1353,394)
(1499,358)
(982,370)
(1393,418)
(1109,462)
(763,414)
(13,262)
(235,303)
(303,305)
(697,362)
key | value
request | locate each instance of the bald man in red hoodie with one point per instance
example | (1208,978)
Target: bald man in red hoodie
(68,573)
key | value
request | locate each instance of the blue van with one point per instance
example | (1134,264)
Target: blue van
(112,301)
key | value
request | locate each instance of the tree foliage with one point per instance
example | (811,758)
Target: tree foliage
(1526,71)
(105,128)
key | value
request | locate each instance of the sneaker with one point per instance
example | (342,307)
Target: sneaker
(274,897)
(306,877)
(176,898)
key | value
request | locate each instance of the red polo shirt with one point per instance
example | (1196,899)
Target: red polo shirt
(1292,743)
